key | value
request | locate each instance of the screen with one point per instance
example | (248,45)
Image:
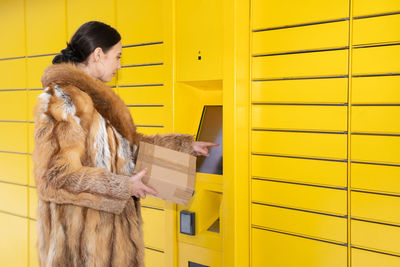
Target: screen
(210,130)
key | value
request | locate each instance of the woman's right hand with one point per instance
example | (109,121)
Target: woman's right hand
(138,188)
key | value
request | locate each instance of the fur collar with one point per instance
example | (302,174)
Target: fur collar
(105,100)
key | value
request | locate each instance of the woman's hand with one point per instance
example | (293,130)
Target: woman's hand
(201,148)
(138,188)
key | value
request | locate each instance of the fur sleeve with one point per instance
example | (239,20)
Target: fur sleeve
(178,142)
(59,173)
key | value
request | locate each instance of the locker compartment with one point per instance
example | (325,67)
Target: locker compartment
(320,172)
(36,67)
(133,15)
(375,119)
(153,258)
(33,203)
(142,54)
(14,240)
(13,137)
(146,95)
(12,73)
(268,14)
(320,36)
(376,30)
(33,255)
(12,23)
(141,75)
(30,168)
(379,149)
(13,168)
(301,91)
(296,117)
(369,7)
(375,60)
(32,100)
(13,105)
(376,90)
(300,222)
(197,254)
(375,236)
(301,65)
(148,115)
(51,14)
(151,130)
(154,228)
(31,137)
(13,199)
(153,202)
(363,258)
(270,249)
(375,178)
(375,207)
(306,197)
(300,144)
(77,13)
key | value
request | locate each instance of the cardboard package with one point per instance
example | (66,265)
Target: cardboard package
(171,173)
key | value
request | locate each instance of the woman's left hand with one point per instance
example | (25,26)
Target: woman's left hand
(201,148)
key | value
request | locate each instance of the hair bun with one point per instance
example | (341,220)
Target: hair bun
(70,54)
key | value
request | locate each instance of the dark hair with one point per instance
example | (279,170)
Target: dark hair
(86,39)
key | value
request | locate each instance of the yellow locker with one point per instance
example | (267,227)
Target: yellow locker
(301,65)
(376,90)
(154,228)
(13,168)
(31,137)
(14,199)
(33,255)
(317,145)
(14,240)
(364,258)
(142,75)
(12,30)
(145,95)
(52,37)
(379,178)
(270,13)
(300,91)
(319,172)
(154,258)
(320,36)
(32,100)
(327,200)
(375,119)
(33,203)
(375,236)
(376,30)
(299,117)
(370,7)
(140,21)
(36,67)
(31,180)
(13,105)
(197,254)
(12,74)
(13,137)
(381,208)
(330,228)
(143,54)
(155,116)
(379,149)
(153,202)
(271,249)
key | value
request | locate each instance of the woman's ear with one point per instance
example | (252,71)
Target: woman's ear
(97,54)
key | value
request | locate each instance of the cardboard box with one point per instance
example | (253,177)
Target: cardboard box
(171,173)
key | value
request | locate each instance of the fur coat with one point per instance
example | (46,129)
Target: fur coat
(85,143)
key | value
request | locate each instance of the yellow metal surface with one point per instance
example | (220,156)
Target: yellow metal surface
(13,241)
(376,119)
(148,115)
(381,208)
(270,249)
(146,95)
(13,105)
(317,118)
(12,30)
(33,255)
(32,99)
(153,202)
(384,149)
(31,137)
(363,258)
(320,36)
(370,7)
(141,75)
(154,258)
(376,30)
(13,137)
(12,74)
(198,255)
(269,14)
(300,65)
(300,91)
(300,144)
(13,168)
(331,173)
(379,178)
(144,54)
(300,222)
(36,67)
(33,203)
(13,199)
(333,201)
(31,179)
(374,90)
(153,228)
(375,236)
(45,12)
(374,60)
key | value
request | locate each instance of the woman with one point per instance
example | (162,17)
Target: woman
(85,142)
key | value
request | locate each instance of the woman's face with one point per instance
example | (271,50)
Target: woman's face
(108,63)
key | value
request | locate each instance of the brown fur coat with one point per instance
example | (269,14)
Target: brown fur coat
(85,142)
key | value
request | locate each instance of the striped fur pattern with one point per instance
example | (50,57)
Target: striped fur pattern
(85,142)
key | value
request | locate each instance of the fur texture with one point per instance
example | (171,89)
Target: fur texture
(85,142)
